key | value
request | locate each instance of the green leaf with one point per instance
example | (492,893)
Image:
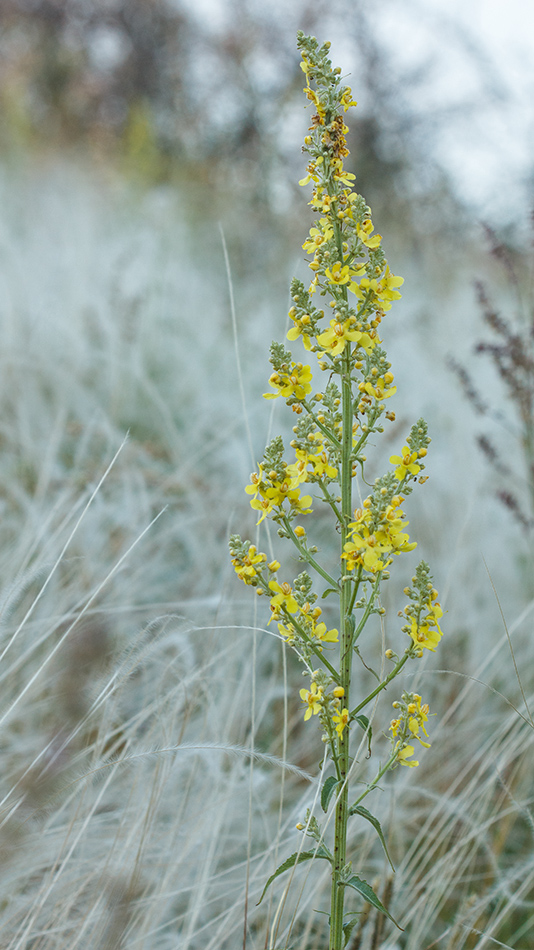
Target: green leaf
(364,723)
(359,810)
(296,858)
(369,895)
(329,590)
(327,791)
(349,927)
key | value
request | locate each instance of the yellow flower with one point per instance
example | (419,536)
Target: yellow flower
(364,232)
(287,631)
(418,715)
(327,636)
(366,551)
(394,727)
(427,633)
(405,463)
(346,99)
(384,291)
(318,236)
(335,339)
(338,274)
(283,597)
(300,329)
(404,753)
(271,493)
(379,389)
(341,720)
(246,570)
(321,465)
(296,383)
(313,698)
(390,532)
(346,177)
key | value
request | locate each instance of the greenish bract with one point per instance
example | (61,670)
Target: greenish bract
(342,345)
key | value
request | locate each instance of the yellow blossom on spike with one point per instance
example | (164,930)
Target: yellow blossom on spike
(364,232)
(404,753)
(326,636)
(283,596)
(295,383)
(345,177)
(341,720)
(313,699)
(335,339)
(383,291)
(379,390)
(271,494)
(346,99)
(406,463)
(287,631)
(394,727)
(299,330)
(417,719)
(246,570)
(321,465)
(427,633)
(338,274)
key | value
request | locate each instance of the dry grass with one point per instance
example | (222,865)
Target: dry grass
(136,684)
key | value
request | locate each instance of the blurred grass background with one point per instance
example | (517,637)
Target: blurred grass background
(136,674)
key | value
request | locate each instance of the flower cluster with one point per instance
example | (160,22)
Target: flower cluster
(249,563)
(378,530)
(409,722)
(423,612)
(319,700)
(276,483)
(346,253)
(334,428)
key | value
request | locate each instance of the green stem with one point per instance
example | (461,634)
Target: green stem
(376,780)
(367,610)
(329,499)
(306,556)
(320,425)
(396,669)
(290,618)
(357,581)
(345,597)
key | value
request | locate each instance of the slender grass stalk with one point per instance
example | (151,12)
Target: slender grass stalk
(333,429)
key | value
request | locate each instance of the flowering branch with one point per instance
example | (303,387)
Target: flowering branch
(333,427)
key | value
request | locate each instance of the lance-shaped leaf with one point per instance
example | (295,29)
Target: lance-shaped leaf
(364,723)
(296,858)
(327,790)
(329,590)
(359,810)
(349,927)
(369,895)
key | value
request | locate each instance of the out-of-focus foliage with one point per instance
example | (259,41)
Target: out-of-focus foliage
(175,91)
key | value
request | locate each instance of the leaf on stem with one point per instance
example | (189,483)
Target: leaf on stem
(369,895)
(349,927)
(359,810)
(329,590)
(364,723)
(296,858)
(327,791)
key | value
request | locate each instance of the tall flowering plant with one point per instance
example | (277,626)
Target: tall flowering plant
(334,427)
